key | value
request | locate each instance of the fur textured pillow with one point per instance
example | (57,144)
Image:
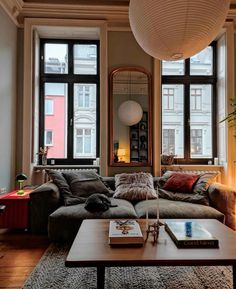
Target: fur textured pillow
(135,186)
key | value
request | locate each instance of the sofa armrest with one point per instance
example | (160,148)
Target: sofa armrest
(43,201)
(223,198)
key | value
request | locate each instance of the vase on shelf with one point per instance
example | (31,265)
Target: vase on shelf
(44,160)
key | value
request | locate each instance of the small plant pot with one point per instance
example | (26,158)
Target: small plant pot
(167,159)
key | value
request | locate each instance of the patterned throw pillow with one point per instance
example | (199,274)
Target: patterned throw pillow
(204,181)
(135,186)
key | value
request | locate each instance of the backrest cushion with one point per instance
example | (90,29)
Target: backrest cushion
(135,186)
(85,183)
(75,188)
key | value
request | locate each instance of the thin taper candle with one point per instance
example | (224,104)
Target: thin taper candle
(157,207)
(146,214)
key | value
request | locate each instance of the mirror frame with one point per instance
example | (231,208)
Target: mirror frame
(150,118)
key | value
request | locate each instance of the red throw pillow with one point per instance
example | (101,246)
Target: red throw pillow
(180,182)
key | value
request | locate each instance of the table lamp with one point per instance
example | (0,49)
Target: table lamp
(20,178)
(121,154)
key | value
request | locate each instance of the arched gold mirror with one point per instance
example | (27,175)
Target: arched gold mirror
(130,117)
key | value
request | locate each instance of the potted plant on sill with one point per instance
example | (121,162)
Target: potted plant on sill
(231,117)
(43,152)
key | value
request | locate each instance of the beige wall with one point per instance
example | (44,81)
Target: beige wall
(8,113)
(123,50)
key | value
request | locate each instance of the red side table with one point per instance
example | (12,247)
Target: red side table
(16,213)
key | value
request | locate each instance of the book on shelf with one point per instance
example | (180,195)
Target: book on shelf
(125,232)
(188,234)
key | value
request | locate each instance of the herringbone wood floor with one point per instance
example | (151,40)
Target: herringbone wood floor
(20,251)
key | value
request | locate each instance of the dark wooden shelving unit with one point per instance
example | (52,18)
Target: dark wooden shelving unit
(139,141)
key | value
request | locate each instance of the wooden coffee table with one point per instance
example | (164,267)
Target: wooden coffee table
(91,249)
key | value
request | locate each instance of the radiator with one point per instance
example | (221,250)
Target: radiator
(198,171)
(42,170)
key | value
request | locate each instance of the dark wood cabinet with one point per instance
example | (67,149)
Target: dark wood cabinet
(139,141)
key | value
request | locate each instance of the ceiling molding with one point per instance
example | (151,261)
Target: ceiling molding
(232,12)
(12,8)
(114,14)
(97,12)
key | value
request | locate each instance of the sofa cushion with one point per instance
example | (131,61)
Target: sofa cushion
(70,218)
(190,198)
(180,182)
(199,193)
(177,210)
(85,183)
(203,183)
(135,186)
(64,188)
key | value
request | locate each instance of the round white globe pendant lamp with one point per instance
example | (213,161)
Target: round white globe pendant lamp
(130,112)
(179,29)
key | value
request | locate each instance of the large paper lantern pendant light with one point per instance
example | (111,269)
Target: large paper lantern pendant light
(130,112)
(176,29)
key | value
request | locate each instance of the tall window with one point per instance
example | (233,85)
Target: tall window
(191,86)
(69,100)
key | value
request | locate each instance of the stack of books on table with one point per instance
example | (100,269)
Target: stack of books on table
(125,232)
(190,235)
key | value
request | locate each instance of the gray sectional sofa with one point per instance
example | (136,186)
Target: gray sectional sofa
(48,214)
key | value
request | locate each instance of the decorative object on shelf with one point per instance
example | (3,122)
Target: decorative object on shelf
(170,30)
(43,152)
(20,178)
(130,112)
(167,159)
(143,126)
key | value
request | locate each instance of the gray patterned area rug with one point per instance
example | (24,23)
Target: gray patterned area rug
(52,273)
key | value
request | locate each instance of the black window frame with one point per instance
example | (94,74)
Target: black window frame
(186,80)
(69,78)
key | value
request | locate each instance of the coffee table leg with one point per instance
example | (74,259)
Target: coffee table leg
(234,276)
(100,277)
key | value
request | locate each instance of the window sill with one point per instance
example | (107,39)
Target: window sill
(193,166)
(194,169)
(41,167)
